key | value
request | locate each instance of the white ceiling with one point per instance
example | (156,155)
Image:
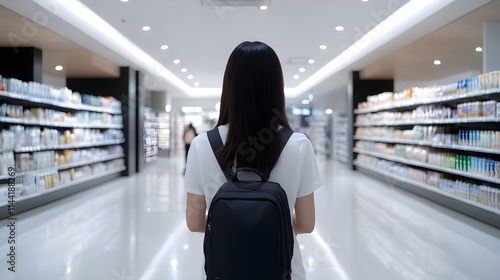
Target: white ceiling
(202,37)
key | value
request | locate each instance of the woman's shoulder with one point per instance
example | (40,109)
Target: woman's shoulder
(298,142)
(299,138)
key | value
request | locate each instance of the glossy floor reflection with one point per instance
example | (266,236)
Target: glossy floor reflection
(133,229)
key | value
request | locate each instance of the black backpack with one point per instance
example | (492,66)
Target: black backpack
(249,233)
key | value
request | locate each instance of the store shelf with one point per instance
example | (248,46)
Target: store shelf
(28,202)
(52,124)
(340,140)
(22,198)
(82,116)
(72,165)
(430,144)
(432,121)
(437,100)
(69,146)
(430,188)
(430,166)
(151,129)
(55,104)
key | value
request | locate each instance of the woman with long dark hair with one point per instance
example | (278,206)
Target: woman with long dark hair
(252,112)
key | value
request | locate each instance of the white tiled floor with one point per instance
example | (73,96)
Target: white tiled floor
(133,229)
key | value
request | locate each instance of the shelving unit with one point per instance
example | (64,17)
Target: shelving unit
(380,150)
(150,135)
(429,188)
(164,133)
(340,132)
(75,173)
(318,130)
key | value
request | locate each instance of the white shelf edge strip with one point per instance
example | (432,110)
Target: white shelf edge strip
(67,146)
(71,165)
(431,188)
(432,121)
(430,166)
(78,181)
(67,125)
(82,107)
(432,101)
(430,144)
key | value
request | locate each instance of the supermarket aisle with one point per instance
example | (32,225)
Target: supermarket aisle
(133,229)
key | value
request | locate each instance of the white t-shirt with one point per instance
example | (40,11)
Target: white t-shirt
(296,171)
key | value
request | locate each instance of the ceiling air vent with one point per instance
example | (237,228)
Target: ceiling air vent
(256,3)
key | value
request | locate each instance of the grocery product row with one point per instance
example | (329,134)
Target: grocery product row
(36,183)
(62,97)
(475,86)
(480,193)
(480,166)
(17,113)
(55,138)
(486,111)
(164,131)
(434,135)
(19,138)
(61,159)
(340,132)
(150,138)
(443,137)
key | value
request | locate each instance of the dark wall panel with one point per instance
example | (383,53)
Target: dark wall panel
(22,63)
(358,90)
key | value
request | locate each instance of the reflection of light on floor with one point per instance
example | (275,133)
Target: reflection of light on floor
(412,250)
(158,259)
(329,254)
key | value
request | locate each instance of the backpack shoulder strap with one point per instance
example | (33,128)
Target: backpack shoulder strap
(284,134)
(216,144)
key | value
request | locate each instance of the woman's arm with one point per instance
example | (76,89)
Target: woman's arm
(196,208)
(304,218)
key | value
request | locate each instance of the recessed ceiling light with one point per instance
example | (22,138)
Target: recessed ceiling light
(296,77)
(124,1)
(323,47)
(190,77)
(177,61)
(479,49)
(302,69)
(339,28)
(59,68)
(196,84)
(146,28)
(328,111)
(311,61)
(437,62)
(263,7)
(365,0)
(184,70)
(164,47)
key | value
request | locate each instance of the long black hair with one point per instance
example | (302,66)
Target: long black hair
(253,104)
